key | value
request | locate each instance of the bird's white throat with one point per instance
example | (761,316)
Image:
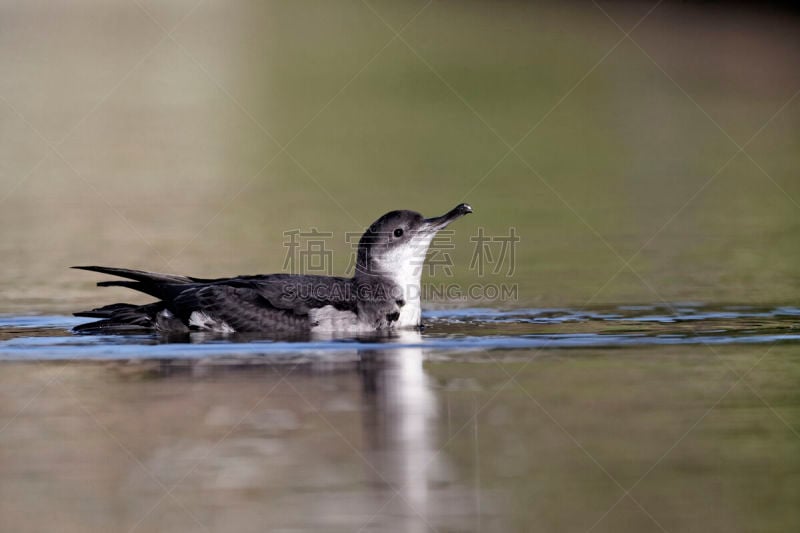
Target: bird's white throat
(403,266)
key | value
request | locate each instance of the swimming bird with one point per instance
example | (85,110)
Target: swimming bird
(382,294)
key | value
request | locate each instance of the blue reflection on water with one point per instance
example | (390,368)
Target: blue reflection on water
(48,337)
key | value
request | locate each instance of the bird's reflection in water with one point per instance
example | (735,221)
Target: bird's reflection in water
(395,408)
(399,422)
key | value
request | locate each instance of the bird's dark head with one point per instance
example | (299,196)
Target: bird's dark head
(396,244)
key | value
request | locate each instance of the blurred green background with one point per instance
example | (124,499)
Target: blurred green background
(188,137)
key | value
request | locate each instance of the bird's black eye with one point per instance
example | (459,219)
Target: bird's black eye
(398,232)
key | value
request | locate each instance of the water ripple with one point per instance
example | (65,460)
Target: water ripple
(48,337)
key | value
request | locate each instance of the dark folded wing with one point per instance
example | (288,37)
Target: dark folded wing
(275,302)
(241,308)
(300,293)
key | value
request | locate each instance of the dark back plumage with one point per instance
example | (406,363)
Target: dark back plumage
(276,302)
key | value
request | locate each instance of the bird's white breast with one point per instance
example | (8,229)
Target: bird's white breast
(403,266)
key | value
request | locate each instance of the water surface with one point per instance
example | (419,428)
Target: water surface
(631,418)
(49,337)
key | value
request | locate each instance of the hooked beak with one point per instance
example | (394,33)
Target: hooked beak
(437,223)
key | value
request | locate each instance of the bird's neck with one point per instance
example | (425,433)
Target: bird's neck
(405,286)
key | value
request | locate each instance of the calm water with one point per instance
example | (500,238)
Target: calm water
(632,418)
(49,337)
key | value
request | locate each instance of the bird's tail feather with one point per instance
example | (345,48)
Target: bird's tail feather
(162,286)
(138,275)
(119,317)
(106,311)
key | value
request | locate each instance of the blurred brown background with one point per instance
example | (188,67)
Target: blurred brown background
(187,137)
